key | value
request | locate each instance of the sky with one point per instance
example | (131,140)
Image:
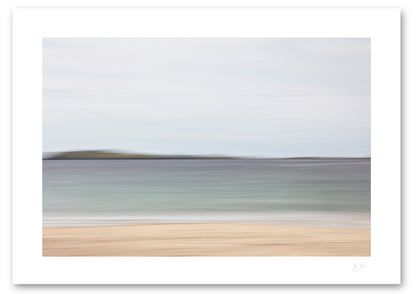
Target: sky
(274,97)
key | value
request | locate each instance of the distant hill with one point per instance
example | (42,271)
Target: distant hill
(97,154)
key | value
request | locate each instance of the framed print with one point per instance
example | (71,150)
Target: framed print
(206,146)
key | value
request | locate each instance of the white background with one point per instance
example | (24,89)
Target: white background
(5,125)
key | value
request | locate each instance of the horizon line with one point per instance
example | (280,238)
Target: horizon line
(119,152)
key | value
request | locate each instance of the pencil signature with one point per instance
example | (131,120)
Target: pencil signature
(359,266)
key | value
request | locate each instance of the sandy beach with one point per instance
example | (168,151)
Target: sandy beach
(205,240)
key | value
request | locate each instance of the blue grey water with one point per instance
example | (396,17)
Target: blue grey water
(327,192)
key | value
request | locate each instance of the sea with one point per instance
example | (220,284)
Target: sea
(311,192)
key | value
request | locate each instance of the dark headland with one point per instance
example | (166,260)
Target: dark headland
(97,154)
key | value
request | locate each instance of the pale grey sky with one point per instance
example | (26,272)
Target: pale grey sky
(250,97)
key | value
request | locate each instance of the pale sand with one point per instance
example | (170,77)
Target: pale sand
(205,240)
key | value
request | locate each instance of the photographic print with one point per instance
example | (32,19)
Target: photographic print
(206,147)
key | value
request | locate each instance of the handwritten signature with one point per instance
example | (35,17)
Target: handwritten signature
(359,266)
